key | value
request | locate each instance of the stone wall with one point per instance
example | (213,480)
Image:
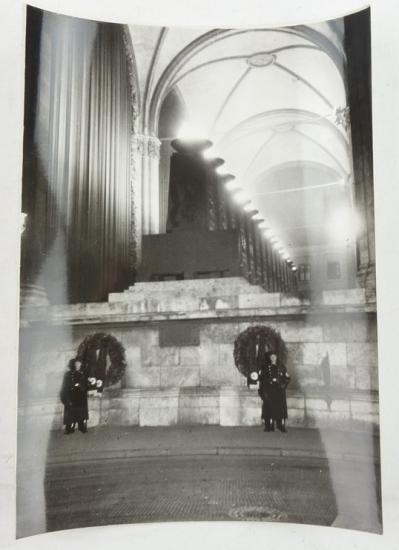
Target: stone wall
(198,383)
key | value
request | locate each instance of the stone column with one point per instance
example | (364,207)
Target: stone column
(137,198)
(164,176)
(77,181)
(147,152)
(358,52)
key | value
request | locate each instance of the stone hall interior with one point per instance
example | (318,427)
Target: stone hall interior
(182,186)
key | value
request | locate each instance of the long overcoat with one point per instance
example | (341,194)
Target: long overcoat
(273,381)
(74,397)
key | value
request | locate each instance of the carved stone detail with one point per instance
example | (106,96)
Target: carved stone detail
(342,117)
(146,146)
(133,76)
(135,151)
(153,147)
(138,145)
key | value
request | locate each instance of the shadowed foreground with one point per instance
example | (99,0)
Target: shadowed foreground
(128,475)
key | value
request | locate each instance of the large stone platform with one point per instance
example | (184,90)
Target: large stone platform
(179,338)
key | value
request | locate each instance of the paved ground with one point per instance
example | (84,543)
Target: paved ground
(116,475)
(133,441)
(181,488)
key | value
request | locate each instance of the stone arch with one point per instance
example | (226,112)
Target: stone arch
(215,35)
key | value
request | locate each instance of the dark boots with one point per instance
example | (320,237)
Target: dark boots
(82,427)
(281,425)
(269,425)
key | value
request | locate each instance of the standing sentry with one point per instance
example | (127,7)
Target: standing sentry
(74,397)
(273,381)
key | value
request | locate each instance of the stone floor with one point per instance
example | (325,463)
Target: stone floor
(134,441)
(188,488)
(126,475)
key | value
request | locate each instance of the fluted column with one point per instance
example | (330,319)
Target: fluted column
(78,184)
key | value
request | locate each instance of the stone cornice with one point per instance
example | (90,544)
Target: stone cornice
(100,314)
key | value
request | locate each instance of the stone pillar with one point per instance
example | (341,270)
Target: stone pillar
(164,176)
(147,158)
(358,52)
(137,193)
(31,292)
(76,181)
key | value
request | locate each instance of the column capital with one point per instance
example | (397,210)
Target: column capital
(147,146)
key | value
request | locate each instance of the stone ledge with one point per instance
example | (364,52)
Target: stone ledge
(350,296)
(197,299)
(46,316)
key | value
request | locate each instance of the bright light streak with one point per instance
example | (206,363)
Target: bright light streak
(191,131)
(343,225)
(209,153)
(240,197)
(231,185)
(221,170)
(269,233)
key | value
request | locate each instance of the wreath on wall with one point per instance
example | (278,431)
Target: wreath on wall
(103,358)
(268,340)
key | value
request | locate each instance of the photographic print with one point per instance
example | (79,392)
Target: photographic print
(198,318)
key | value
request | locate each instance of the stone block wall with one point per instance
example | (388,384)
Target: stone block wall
(200,384)
(227,406)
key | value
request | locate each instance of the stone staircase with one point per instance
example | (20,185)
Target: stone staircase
(194,288)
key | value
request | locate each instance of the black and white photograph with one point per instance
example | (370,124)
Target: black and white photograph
(198,311)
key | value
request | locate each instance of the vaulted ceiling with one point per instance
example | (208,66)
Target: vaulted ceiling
(273,102)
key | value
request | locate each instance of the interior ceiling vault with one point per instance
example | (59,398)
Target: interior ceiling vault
(273,103)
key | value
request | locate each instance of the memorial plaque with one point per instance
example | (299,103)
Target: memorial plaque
(179,334)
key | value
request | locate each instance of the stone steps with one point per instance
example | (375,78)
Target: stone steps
(200,288)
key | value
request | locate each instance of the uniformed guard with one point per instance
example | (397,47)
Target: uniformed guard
(274,380)
(74,397)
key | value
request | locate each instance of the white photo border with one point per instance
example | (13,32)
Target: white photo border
(385,90)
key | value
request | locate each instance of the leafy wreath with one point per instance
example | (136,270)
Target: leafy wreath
(245,342)
(106,344)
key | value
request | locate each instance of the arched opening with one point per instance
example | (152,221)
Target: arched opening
(177,65)
(273,97)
